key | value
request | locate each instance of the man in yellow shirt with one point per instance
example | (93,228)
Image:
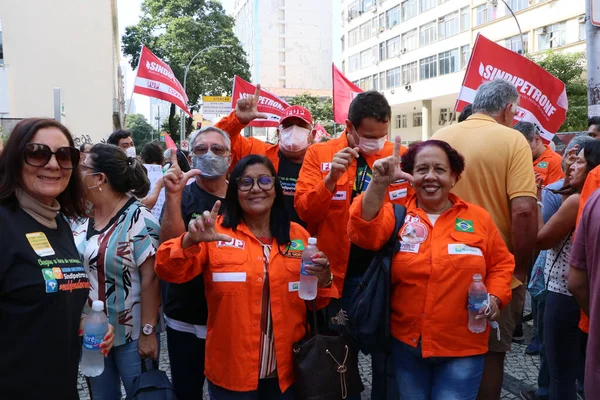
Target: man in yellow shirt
(499,177)
(547,163)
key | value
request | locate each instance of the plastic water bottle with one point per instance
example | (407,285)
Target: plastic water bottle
(95,327)
(477,298)
(308,283)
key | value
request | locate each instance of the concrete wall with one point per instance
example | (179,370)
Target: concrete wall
(66,44)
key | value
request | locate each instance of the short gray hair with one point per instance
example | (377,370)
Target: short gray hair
(209,129)
(493,96)
(578,140)
(528,130)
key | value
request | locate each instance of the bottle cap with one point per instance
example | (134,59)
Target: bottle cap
(312,240)
(98,305)
(477,277)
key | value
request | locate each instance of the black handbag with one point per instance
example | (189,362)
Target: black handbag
(325,363)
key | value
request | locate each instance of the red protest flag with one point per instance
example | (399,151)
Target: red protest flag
(268,103)
(542,97)
(344,92)
(156,79)
(169,142)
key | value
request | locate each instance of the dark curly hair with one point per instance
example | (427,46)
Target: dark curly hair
(457,161)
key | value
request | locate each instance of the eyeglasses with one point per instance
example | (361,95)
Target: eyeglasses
(264,182)
(216,149)
(38,155)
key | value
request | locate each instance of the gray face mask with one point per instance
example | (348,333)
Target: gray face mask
(211,165)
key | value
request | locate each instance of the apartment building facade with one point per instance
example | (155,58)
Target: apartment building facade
(416,51)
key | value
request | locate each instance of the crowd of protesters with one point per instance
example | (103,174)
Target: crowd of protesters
(217,266)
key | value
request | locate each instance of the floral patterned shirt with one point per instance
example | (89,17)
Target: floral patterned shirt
(112,257)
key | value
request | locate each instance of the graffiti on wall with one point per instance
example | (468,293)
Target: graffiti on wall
(85,139)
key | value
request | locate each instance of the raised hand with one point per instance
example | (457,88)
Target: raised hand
(202,229)
(246,109)
(174,179)
(388,170)
(341,162)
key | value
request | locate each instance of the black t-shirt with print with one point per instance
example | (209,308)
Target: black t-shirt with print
(359,259)
(288,175)
(43,289)
(186,302)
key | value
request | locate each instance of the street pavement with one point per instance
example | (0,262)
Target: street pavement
(520,370)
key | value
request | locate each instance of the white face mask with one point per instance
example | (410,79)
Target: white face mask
(293,138)
(370,146)
(130,152)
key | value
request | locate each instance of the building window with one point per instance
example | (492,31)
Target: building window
(428,67)
(365,5)
(282,43)
(448,25)
(393,78)
(375,84)
(343,66)
(282,83)
(484,13)
(352,37)
(448,61)
(442,1)
(365,83)
(409,9)
(517,5)
(353,10)
(280,15)
(425,5)
(282,29)
(393,17)
(465,54)
(409,40)
(282,70)
(354,63)
(282,56)
(409,73)
(381,22)
(382,81)
(427,34)
(401,121)
(366,58)
(365,31)
(582,33)
(514,43)
(444,116)
(382,56)
(393,47)
(417,119)
(552,36)
(465,19)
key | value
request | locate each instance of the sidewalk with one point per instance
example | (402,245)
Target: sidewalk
(520,370)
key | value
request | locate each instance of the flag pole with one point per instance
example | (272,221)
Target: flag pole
(133,88)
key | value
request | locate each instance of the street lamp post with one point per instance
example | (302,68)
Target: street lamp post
(495,4)
(187,68)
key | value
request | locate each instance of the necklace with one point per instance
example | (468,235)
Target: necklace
(447,206)
(111,213)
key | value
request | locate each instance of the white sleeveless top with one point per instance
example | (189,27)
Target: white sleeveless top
(558,275)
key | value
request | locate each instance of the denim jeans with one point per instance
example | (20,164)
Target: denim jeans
(543,390)
(379,361)
(268,389)
(562,337)
(122,364)
(436,378)
(186,356)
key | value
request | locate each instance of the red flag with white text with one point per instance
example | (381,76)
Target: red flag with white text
(542,97)
(344,92)
(268,103)
(156,79)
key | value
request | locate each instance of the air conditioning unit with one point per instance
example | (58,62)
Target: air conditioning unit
(375,32)
(403,51)
(392,91)
(376,61)
(408,88)
(541,31)
(381,29)
(581,19)
(374,9)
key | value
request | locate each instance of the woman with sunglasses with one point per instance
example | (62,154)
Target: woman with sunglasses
(43,284)
(250,258)
(117,246)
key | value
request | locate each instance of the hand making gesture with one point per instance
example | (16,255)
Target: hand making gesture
(174,179)
(246,109)
(202,229)
(388,170)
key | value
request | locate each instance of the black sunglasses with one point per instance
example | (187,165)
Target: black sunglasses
(38,155)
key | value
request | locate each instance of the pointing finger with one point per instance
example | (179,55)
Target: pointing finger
(397,146)
(215,210)
(256,95)
(221,237)
(173,157)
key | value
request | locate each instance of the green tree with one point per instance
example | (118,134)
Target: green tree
(176,30)
(320,108)
(141,131)
(570,68)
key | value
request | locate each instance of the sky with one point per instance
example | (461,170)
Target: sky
(129,14)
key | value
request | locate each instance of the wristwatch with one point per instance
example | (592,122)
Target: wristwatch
(147,329)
